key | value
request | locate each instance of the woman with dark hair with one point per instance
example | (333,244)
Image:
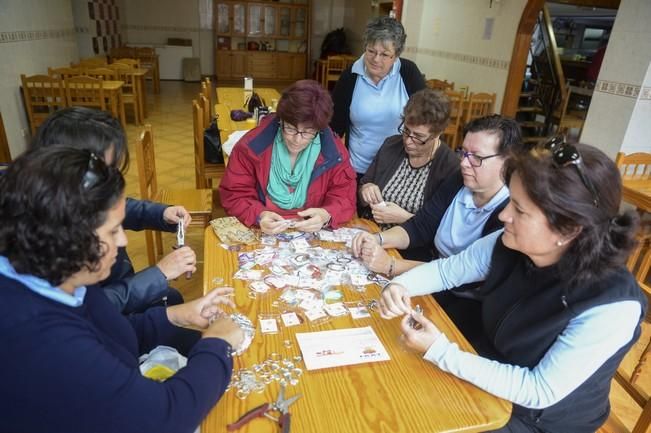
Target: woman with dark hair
(71,360)
(554,285)
(291,165)
(370,95)
(409,166)
(101,133)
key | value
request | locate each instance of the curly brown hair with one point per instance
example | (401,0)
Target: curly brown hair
(52,200)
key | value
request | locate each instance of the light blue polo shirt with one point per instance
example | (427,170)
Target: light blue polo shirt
(463,222)
(375,113)
(42,287)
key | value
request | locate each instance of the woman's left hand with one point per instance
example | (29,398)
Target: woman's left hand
(176,214)
(389,213)
(420,337)
(315,219)
(196,314)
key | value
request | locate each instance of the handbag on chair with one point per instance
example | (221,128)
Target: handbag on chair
(212,144)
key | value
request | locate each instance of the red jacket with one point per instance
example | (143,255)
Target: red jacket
(243,189)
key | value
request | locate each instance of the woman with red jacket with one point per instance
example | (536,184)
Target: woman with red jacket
(291,166)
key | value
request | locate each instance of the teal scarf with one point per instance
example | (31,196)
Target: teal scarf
(288,188)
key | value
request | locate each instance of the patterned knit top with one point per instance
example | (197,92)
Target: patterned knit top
(406,187)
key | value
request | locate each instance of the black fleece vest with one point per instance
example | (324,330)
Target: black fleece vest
(526,308)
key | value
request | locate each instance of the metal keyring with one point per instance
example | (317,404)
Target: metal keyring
(337,267)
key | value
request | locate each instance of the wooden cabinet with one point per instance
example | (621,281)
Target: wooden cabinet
(261,39)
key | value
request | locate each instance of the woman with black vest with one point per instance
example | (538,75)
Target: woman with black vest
(559,309)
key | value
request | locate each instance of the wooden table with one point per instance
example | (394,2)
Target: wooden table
(405,394)
(637,191)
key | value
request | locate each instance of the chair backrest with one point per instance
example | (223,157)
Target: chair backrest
(206,92)
(199,161)
(335,65)
(204,104)
(635,165)
(452,131)
(479,105)
(439,84)
(124,74)
(135,63)
(108,74)
(146,164)
(43,95)
(90,62)
(629,381)
(85,92)
(119,52)
(65,72)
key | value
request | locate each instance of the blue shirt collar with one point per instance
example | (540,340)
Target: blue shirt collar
(358,68)
(466,199)
(42,287)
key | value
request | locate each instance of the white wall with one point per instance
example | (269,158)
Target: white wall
(446,39)
(34,34)
(620,112)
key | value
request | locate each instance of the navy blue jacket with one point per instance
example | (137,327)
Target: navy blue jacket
(75,369)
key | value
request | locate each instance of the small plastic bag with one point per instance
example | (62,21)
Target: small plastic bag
(161,363)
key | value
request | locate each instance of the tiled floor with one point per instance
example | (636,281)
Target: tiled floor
(169,113)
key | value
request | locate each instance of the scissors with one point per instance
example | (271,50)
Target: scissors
(280,405)
(180,242)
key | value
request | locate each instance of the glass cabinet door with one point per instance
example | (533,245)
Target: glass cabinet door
(299,23)
(222,19)
(239,12)
(284,15)
(254,24)
(269,21)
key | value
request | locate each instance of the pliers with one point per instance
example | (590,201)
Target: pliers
(280,405)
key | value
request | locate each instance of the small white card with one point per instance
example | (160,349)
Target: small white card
(259,287)
(299,245)
(315,314)
(336,309)
(290,319)
(359,312)
(268,326)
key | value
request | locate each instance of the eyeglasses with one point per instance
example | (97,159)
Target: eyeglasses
(370,52)
(93,175)
(306,135)
(407,133)
(564,154)
(474,160)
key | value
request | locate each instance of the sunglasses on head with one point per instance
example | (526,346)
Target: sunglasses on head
(564,154)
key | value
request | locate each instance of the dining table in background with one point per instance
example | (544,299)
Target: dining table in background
(406,394)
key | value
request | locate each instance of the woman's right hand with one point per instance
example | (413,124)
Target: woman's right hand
(394,301)
(225,328)
(360,239)
(371,193)
(271,223)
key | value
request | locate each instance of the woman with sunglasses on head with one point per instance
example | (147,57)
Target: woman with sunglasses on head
(370,95)
(101,133)
(409,166)
(559,308)
(291,167)
(70,359)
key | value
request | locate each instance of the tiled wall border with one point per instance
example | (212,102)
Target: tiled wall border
(142,27)
(461,57)
(623,89)
(35,35)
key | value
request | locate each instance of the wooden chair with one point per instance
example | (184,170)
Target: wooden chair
(90,62)
(121,52)
(134,63)
(207,93)
(205,172)
(204,104)
(335,65)
(130,88)
(149,59)
(85,91)
(65,73)
(106,73)
(451,133)
(43,95)
(198,202)
(635,165)
(629,381)
(439,84)
(479,105)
